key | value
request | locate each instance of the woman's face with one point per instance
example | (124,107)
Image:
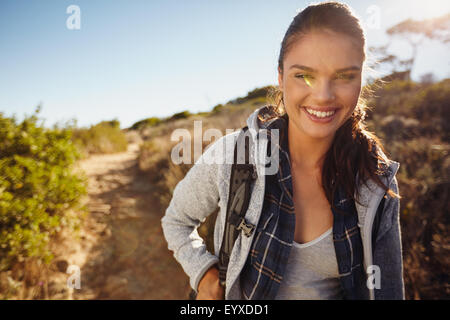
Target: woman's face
(321,73)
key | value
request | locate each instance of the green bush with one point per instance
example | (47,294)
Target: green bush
(217,108)
(112,123)
(37,188)
(256,93)
(149,122)
(180,115)
(104,137)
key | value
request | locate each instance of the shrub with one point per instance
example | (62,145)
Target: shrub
(218,108)
(424,180)
(398,127)
(180,115)
(393,97)
(104,137)
(412,120)
(431,106)
(113,123)
(149,122)
(37,188)
(406,109)
(254,94)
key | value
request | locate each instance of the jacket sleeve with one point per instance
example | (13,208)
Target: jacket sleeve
(194,198)
(388,251)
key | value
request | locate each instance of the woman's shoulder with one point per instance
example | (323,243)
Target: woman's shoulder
(221,150)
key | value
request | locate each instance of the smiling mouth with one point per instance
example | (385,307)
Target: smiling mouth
(322,112)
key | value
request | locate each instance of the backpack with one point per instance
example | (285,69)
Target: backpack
(241,177)
(243,173)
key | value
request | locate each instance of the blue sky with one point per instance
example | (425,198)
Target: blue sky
(135,59)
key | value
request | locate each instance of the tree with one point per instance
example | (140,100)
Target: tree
(414,32)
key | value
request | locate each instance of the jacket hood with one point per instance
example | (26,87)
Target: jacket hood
(253,122)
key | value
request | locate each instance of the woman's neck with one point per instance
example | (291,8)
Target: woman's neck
(306,152)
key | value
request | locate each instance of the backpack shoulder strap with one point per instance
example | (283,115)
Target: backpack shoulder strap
(241,177)
(377,220)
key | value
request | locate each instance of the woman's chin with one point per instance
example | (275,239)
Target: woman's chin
(319,133)
(320,136)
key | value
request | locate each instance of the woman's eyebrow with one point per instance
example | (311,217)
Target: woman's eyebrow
(302,67)
(352,68)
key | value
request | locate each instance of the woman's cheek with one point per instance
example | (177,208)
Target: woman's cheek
(294,93)
(351,94)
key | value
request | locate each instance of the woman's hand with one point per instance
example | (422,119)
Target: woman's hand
(209,287)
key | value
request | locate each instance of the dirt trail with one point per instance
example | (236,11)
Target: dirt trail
(122,253)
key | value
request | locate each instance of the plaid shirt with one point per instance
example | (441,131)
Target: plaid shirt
(264,269)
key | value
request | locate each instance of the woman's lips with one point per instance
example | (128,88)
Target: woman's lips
(322,109)
(321,120)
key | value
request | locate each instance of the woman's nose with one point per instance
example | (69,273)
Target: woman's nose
(323,91)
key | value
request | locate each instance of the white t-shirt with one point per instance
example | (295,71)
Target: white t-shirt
(312,271)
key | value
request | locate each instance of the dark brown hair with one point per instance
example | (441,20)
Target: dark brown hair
(354,148)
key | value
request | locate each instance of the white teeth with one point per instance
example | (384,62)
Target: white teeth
(320,114)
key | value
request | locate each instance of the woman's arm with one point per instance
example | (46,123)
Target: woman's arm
(388,250)
(194,198)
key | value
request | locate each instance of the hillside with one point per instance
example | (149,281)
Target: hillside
(119,246)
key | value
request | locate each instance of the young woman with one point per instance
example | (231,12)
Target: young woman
(317,235)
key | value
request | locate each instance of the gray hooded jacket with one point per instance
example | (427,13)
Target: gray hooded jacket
(205,188)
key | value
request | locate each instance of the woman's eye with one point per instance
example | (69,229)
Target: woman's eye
(308,78)
(303,76)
